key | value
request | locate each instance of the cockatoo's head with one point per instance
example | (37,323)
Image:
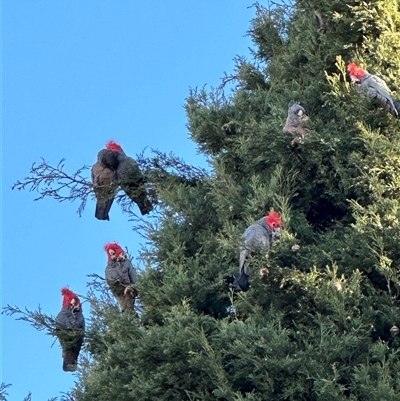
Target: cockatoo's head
(355,72)
(111,145)
(274,222)
(114,251)
(297,113)
(70,300)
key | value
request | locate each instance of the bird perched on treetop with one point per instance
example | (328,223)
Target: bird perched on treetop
(372,86)
(296,118)
(120,275)
(70,326)
(104,178)
(258,236)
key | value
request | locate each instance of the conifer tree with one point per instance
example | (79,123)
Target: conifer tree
(322,323)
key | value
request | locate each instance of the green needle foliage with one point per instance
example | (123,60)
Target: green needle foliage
(317,322)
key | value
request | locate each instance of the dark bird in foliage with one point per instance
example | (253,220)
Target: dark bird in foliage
(104,178)
(369,85)
(120,275)
(70,327)
(296,118)
(258,237)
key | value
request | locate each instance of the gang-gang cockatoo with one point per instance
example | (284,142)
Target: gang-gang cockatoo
(115,169)
(70,327)
(120,275)
(130,178)
(104,178)
(257,237)
(372,86)
(296,119)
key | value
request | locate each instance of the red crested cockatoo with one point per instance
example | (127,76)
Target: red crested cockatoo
(130,178)
(104,178)
(296,118)
(120,275)
(70,327)
(258,237)
(372,86)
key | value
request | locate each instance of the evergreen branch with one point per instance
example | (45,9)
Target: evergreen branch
(3,393)
(36,319)
(54,182)
(161,166)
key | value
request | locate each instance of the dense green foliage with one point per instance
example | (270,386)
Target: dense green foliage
(317,326)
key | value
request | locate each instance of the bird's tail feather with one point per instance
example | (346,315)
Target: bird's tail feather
(138,195)
(102,209)
(242,281)
(397,106)
(70,360)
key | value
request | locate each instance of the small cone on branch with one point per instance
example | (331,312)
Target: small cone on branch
(295,248)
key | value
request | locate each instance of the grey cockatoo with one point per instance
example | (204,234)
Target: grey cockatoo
(373,86)
(258,236)
(104,178)
(296,118)
(130,178)
(120,275)
(70,327)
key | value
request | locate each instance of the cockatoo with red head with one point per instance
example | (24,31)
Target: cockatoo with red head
(120,275)
(70,327)
(373,86)
(104,179)
(259,236)
(130,178)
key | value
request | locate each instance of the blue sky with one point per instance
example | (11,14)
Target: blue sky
(74,75)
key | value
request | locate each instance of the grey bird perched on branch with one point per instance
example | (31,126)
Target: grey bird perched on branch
(120,275)
(113,169)
(296,118)
(258,236)
(70,326)
(370,85)
(104,178)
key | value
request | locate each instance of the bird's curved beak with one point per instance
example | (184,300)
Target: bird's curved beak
(276,233)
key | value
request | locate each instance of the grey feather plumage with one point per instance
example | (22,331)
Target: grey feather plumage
(132,182)
(70,328)
(375,87)
(120,275)
(122,272)
(295,121)
(70,320)
(257,237)
(104,179)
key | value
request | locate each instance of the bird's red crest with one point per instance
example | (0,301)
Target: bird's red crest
(111,145)
(113,250)
(356,71)
(68,296)
(274,220)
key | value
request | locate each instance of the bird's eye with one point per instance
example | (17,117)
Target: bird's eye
(300,113)
(273,225)
(111,252)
